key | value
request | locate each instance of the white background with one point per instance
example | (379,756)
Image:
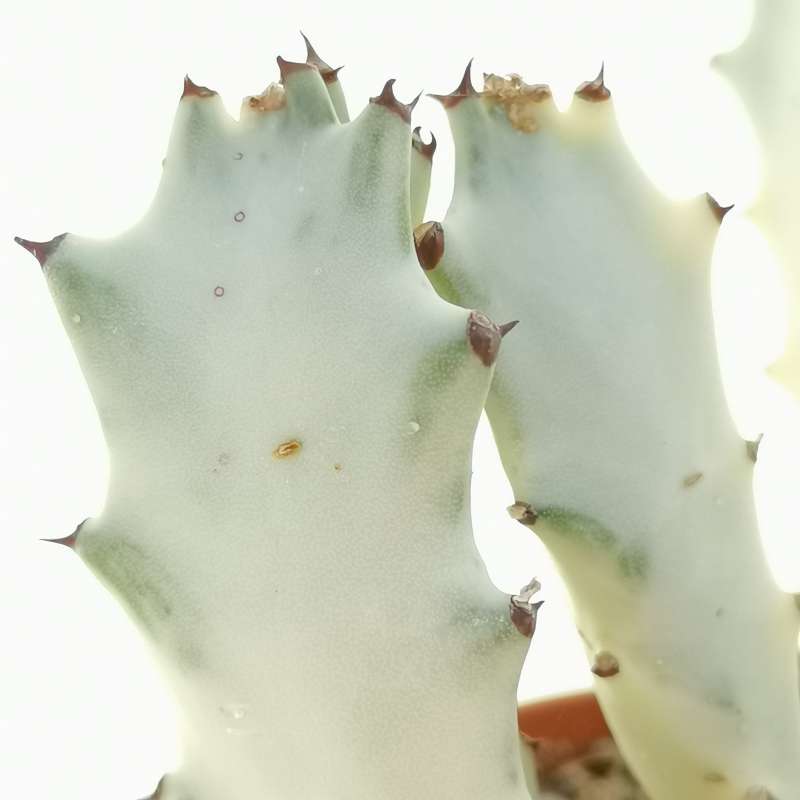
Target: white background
(89,90)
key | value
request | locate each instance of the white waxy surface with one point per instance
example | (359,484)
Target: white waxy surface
(289,410)
(611,422)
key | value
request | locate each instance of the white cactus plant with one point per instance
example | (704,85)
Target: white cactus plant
(608,410)
(289,409)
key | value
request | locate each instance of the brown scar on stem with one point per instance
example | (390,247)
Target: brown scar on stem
(337,467)
(429,244)
(271,99)
(71,540)
(191,89)
(328,73)
(484,337)
(523,512)
(464,90)
(425,150)
(518,99)
(594,91)
(718,210)
(388,100)
(693,479)
(41,250)
(286,449)
(605,665)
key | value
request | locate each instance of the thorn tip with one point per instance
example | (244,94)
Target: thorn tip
(426,150)
(41,250)
(71,540)
(506,327)
(388,100)
(594,91)
(461,92)
(191,89)
(313,59)
(287,68)
(718,210)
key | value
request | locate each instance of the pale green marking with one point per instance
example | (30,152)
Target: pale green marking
(453,285)
(632,560)
(142,585)
(435,374)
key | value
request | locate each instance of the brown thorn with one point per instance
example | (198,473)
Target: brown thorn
(718,210)
(752,447)
(429,243)
(71,540)
(312,57)
(41,250)
(329,74)
(524,615)
(332,75)
(484,337)
(523,512)
(508,326)
(387,99)
(594,91)
(191,89)
(462,91)
(605,665)
(288,67)
(426,150)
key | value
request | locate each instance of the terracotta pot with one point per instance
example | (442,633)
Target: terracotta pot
(574,717)
(561,728)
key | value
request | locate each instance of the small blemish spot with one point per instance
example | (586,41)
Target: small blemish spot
(219,291)
(238,156)
(286,449)
(337,467)
(413,426)
(714,777)
(239,216)
(691,480)
(76,318)
(605,665)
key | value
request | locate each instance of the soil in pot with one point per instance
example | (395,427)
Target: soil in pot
(576,758)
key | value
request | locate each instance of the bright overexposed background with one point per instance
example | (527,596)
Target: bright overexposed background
(89,90)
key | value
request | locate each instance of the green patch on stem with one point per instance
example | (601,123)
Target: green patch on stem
(435,373)
(452,284)
(632,560)
(143,587)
